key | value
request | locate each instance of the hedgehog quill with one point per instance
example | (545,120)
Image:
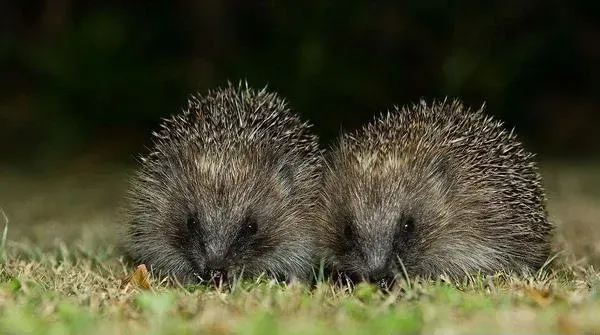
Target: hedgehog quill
(225,191)
(432,189)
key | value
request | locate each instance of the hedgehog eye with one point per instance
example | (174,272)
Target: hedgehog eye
(192,222)
(249,226)
(406,224)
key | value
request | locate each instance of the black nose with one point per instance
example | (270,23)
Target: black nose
(217,276)
(383,282)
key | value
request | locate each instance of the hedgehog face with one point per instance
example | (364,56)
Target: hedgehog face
(378,229)
(374,254)
(251,225)
(244,219)
(218,244)
(375,242)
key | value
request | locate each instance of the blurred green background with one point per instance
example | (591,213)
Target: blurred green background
(84,82)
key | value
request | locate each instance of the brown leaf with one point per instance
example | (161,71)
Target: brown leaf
(140,278)
(566,326)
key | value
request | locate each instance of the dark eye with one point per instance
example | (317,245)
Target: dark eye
(406,224)
(192,222)
(250,226)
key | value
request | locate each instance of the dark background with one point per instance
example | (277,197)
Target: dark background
(84,82)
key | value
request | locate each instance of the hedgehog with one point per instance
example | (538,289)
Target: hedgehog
(225,189)
(430,190)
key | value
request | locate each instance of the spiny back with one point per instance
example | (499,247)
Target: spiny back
(207,123)
(436,129)
(477,144)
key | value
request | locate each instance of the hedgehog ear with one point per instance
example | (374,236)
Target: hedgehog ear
(285,176)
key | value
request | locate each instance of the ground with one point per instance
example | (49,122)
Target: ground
(61,273)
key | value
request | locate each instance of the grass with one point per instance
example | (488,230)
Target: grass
(60,274)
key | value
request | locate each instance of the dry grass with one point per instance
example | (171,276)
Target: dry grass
(61,274)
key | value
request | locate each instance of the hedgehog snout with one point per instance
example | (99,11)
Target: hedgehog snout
(216,269)
(216,256)
(217,276)
(216,262)
(378,268)
(383,282)
(382,277)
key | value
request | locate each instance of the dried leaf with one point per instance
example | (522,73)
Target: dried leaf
(566,326)
(140,278)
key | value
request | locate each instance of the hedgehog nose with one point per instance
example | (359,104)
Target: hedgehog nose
(217,276)
(384,283)
(215,260)
(382,280)
(216,270)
